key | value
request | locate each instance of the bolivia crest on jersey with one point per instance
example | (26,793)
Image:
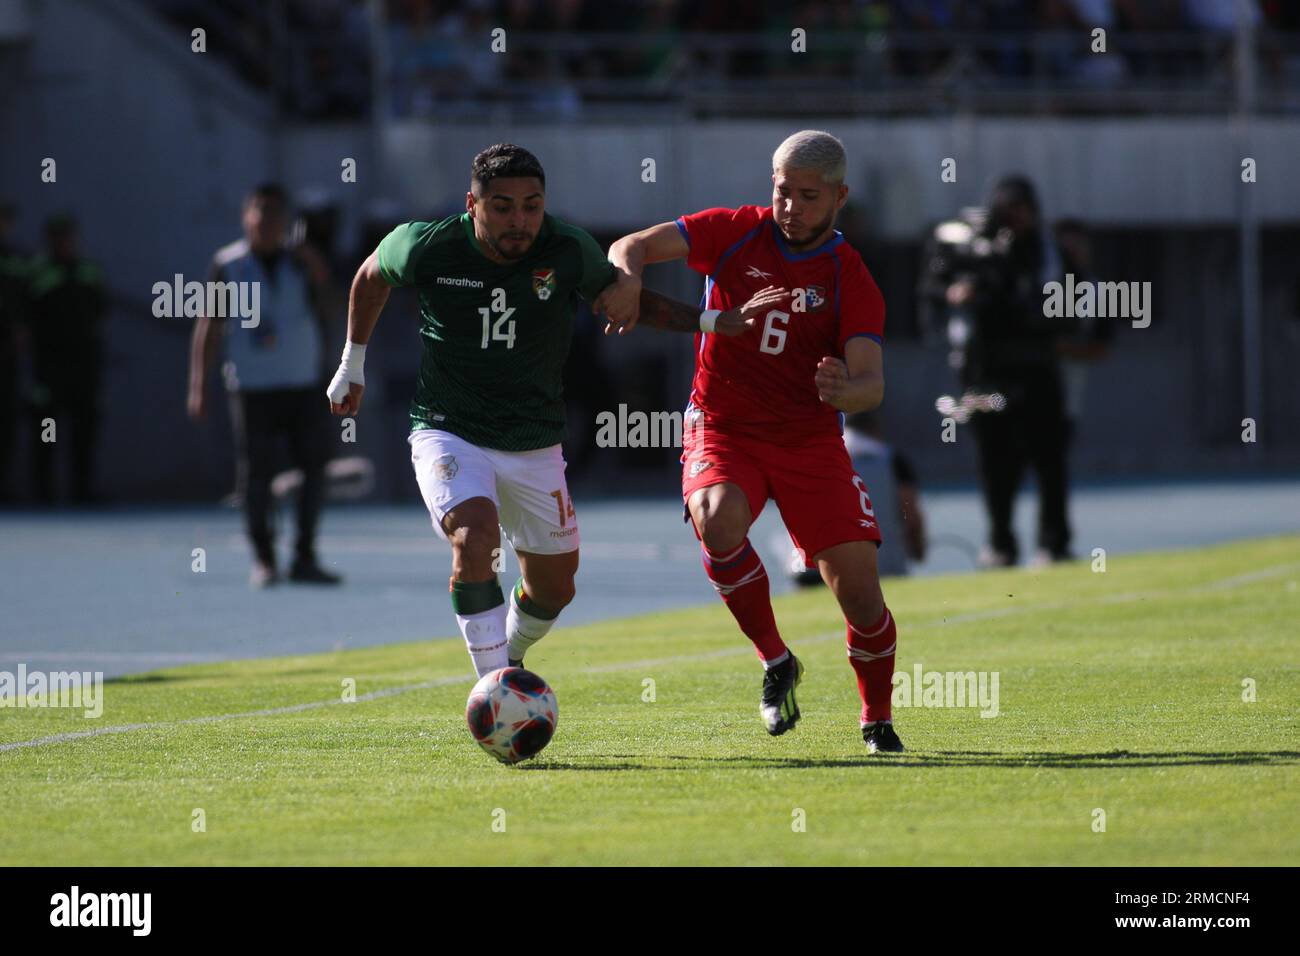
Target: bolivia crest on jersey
(445,467)
(543,283)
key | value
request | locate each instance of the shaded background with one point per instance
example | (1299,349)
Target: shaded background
(157,144)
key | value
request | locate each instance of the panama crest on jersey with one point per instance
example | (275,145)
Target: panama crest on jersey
(543,283)
(814,297)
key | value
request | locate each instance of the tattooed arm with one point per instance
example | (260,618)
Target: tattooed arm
(669,315)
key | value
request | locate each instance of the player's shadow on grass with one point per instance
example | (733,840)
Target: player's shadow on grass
(154,677)
(934,759)
(1113,758)
(151,678)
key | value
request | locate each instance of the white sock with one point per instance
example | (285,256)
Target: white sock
(768,665)
(485,637)
(524,629)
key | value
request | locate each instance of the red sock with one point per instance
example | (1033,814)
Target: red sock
(871,652)
(739,578)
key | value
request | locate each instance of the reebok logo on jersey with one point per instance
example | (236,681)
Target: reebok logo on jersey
(754,272)
(460,283)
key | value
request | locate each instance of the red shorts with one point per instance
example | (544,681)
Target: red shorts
(822,500)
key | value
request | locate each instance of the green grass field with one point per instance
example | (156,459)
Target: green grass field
(1120,691)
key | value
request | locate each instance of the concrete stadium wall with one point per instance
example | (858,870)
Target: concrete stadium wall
(155,146)
(1112,171)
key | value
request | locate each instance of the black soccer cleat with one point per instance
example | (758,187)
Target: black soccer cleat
(777,704)
(881,739)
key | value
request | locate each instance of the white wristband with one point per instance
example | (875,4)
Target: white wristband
(709,319)
(351,369)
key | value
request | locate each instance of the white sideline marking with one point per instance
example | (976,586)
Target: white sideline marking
(212,718)
(1223,583)
(1263,574)
(117,657)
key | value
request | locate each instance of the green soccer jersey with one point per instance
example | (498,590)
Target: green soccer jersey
(496,335)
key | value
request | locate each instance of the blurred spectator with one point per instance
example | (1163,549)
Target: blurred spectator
(1090,341)
(275,373)
(891,481)
(315,54)
(1007,351)
(66,305)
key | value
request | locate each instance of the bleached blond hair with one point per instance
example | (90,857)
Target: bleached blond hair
(813,149)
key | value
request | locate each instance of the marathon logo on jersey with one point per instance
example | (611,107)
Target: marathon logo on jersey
(445,467)
(543,283)
(460,282)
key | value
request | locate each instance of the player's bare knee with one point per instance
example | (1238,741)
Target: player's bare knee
(861,604)
(553,595)
(720,534)
(474,548)
(722,521)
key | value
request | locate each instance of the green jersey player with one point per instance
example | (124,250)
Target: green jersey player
(496,288)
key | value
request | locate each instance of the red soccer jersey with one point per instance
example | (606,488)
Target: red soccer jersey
(760,383)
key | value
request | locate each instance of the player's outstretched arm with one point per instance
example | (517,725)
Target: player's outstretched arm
(661,312)
(621,301)
(366,300)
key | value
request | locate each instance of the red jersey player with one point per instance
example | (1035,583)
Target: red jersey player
(764,419)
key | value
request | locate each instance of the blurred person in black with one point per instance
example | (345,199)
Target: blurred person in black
(66,303)
(274,373)
(1091,339)
(14,267)
(990,286)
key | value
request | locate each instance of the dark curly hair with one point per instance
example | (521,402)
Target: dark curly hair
(503,161)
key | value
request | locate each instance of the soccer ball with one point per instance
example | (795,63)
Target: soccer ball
(512,714)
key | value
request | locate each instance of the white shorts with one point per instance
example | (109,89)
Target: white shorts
(528,488)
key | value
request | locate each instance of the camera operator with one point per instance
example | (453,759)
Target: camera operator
(986,274)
